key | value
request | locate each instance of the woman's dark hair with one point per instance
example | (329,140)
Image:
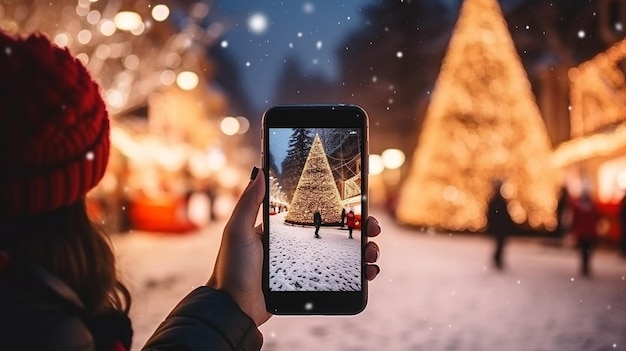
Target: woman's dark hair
(67,244)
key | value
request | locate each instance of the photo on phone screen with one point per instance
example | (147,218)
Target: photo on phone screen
(315,209)
(315,159)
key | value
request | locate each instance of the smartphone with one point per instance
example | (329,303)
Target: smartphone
(315,159)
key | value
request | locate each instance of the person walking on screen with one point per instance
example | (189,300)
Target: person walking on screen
(343,217)
(317,221)
(350,222)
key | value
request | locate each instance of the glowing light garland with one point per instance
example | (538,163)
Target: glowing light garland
(482,124)
(316,190)
(598,92)
(598,113)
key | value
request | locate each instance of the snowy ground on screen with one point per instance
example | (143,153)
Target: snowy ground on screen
(436,291)
(301,262)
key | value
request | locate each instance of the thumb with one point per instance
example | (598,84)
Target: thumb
(245,213)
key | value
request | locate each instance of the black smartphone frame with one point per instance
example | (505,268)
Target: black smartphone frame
(315,116)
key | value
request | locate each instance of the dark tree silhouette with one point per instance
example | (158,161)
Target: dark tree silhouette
(389,65)
(300,143)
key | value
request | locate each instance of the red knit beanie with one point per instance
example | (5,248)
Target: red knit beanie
(54,127)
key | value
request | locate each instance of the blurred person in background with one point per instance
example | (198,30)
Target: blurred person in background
(585,219)
(622,224)
(60,289)
(563,213)
(499,223)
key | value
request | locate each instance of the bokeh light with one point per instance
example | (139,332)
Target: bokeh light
(376,164)
(393,158)
(229,125)
(160,12)
(127,20)
(187,80)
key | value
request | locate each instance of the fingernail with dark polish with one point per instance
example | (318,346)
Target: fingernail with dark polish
(378,269)
(255,172)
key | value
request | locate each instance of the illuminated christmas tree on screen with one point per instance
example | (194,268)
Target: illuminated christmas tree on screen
(482,124)
(316,190)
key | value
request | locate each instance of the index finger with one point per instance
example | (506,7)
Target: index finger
(373,227)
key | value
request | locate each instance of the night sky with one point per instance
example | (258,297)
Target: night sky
(309,30)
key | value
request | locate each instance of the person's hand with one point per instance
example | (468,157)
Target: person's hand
(239,262)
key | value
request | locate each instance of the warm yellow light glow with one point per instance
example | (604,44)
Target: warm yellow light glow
(215,158)
(139,29)
(103,51)
(84,36)
(127,20)
(316,190)
(107,27)
(621,180)
(61,39)
(597,92)
(131,62)
(187,80)
(168,77)
(598,110)
(393,158)
(244,124)
(482,124)
(115,98)
(376,164)
(93,16)
(160,12)
(83,57)
(229,125)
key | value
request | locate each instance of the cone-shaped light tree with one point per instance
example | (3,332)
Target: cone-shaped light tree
(316,190)
(482,124)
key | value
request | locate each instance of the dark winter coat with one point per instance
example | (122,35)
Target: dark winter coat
(499,222)
(317,218)
(206,319)
(39,312)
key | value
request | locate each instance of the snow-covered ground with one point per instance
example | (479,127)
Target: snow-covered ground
(435,292)
(300,262)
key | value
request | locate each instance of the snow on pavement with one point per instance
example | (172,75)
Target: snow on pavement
(300,262)
(436,291)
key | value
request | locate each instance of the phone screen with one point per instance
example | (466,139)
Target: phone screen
(314,209)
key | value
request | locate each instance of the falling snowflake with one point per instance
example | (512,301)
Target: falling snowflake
(7,50)
(581,34)
(248,64)
(299,34)
(618,26)
(318,45)
(258,23)
(90,156)
(224,43)
(308,7)
(399,54)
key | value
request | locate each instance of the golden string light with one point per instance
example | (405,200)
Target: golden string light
(598,92)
